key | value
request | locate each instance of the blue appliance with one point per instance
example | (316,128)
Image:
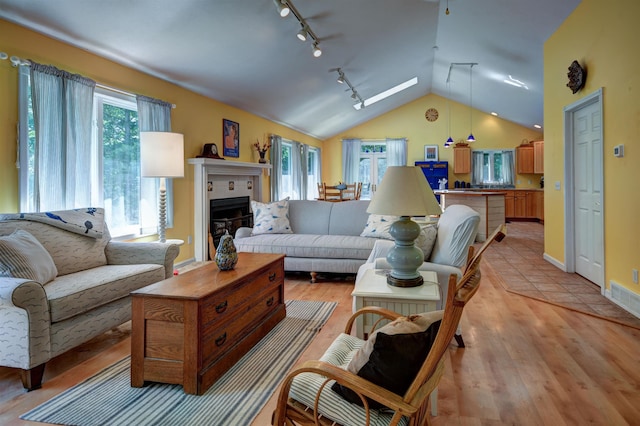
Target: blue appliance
(434,171)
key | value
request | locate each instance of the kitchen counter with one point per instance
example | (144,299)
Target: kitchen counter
(489,204)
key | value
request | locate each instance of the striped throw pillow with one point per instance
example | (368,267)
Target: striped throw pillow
(22,256)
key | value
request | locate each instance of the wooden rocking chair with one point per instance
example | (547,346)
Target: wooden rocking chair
(296,404)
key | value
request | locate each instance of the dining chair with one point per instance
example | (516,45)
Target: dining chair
(331,193)
(349,193)
(309,396)
(321,191)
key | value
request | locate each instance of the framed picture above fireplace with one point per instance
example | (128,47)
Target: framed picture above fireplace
(230,138)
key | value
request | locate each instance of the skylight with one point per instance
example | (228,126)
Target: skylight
(517,83)
(380,96)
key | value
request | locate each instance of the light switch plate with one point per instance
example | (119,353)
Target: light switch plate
(618,150)
(557,185)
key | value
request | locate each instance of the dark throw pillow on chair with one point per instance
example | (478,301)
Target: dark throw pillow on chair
(393,355)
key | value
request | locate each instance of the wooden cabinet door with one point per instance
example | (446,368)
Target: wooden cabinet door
(524,159)
(538,157)
(462,160)
(520,204)
(509,204)
(540,205)
(531,204)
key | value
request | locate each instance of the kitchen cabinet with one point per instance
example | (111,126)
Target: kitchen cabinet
(524,204)
(509,204)
(538,157)
(524,159)
(461,159)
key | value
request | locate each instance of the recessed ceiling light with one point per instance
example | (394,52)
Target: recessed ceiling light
(380,96)
(537,126)
(495,114)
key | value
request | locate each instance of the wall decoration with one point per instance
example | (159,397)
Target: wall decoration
(232,185)
(230,138)
(577,77)
(431,153)
(209,186)
(249,184)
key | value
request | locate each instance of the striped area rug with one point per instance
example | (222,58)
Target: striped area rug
(235,399)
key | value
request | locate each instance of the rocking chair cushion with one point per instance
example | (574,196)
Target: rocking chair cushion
(393,354)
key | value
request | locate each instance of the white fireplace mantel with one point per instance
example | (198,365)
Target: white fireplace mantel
(204,169)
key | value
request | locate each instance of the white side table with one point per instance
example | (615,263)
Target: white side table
(372,290)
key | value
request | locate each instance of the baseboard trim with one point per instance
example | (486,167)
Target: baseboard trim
(184,263)
(555,262)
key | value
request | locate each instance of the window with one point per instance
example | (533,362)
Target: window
(129,201)
(493,167)
(299,181)
(373,164)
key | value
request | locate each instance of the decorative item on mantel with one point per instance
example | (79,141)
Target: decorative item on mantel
(226,255)
(262,150)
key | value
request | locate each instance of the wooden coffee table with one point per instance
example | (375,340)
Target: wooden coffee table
(191,328)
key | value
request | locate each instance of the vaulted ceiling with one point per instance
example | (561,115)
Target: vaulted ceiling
(242,53)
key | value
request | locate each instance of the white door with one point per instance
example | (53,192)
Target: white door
(587,192)
(372,168)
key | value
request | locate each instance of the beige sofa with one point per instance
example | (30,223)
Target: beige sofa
(88,291)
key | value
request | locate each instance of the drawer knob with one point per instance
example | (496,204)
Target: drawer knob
(220,340)
(270,301)
(221,307)
(272,277)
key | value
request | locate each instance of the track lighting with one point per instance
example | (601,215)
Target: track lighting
(3,56)
(283,7)
(316,50)
(342,79)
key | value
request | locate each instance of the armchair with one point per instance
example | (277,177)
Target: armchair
(307,395)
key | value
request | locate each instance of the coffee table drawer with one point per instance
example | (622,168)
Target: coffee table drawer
(220,337)
(225,304)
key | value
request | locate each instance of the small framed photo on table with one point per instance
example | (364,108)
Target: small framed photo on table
(431,153)
(230,138)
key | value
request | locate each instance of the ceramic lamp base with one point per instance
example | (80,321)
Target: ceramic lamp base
(405,258)
(404,282)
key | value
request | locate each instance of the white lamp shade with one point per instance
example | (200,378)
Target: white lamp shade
(161,154)
(404,191)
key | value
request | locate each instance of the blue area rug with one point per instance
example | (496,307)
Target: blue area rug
(235,399)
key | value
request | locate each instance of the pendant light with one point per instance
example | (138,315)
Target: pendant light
(471,138)
(449,141)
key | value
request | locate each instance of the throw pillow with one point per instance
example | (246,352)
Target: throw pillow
(393,355)
(22,256)
(378,227)
(272,218)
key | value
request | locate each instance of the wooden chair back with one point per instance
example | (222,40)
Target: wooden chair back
(358,190)
(321,191)
(497,235)
(349,193)
(331,193)
(415,402)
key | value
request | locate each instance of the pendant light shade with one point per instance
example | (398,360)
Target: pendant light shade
(471,138)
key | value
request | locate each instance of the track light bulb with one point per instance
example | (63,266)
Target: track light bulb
(341,79)
(302,34)
(354,96)
(316,50)
(283,7)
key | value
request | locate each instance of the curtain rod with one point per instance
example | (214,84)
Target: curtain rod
(122,92)
(376,140)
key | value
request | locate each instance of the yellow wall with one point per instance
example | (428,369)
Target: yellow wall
(197,117)
(408,121)
(602,36)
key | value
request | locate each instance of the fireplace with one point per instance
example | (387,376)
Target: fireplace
(229,214)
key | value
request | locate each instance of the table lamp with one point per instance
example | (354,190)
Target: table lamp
(162,156)
(405,192)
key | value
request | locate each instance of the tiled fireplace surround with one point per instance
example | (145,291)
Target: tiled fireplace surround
(217,179)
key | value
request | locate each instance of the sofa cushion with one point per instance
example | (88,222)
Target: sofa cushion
(73,294)
(378,226)
(310,217)
(311,246)
(271,218)
(348,217)
(22,256)
(457,229)
(393,354)
(70,252)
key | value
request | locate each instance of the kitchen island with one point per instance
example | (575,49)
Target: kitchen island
(490,206)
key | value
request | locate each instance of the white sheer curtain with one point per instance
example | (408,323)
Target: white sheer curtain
(507,167)
(476,164)
(154,115)
(351,160)
(276,170)
(62,109)
(396,152)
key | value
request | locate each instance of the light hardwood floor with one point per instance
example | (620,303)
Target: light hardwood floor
(526,362)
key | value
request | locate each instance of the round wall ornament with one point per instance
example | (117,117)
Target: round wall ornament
(577,77)
(431,114)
